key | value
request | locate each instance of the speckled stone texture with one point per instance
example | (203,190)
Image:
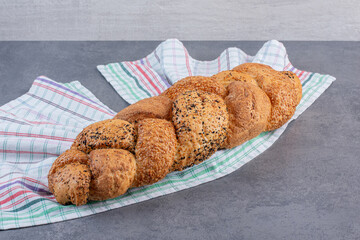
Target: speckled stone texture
(306,186)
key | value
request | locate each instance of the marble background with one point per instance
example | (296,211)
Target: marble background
(187,20)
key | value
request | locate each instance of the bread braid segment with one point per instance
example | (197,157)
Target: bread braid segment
(201,122)
(282,88)
(155,150)
(69,178)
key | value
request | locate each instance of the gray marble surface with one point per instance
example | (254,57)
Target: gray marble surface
(306,186)
(185,19)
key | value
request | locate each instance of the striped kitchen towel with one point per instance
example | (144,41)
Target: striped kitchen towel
(40,125)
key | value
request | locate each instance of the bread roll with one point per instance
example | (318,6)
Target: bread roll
(199,83)
(281,92)
(201,122)
(229,76)
(249,109)
(113,171)
(69,178)
(155,151)
(111,133)
(154,107)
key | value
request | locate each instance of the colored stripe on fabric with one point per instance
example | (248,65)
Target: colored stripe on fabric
(60,107)
(135,79)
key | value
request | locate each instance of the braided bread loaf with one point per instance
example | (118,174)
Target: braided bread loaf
(183,126)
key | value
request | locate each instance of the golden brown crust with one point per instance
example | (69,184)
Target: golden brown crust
(154,107)
(254,69)
(229,76)
(199,83)
(155,151)
(201,122)
(296,83)
(111,133)
(113,172)
(280,90)
(69,178)
(283,101)
(67,157)
(249,109)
